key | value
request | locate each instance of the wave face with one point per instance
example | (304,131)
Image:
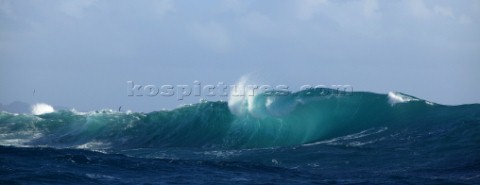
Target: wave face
(311,136)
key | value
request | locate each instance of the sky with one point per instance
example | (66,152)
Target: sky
(81,53)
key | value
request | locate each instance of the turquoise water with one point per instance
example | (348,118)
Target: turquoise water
(302,137)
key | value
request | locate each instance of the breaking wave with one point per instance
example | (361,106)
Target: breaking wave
(265,120)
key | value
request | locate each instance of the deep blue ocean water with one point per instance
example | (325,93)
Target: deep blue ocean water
(359,138)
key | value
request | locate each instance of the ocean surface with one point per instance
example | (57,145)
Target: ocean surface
(310,137)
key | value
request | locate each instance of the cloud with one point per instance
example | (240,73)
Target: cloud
(5,7)
(256,22)
(76,8)
(340,11)
(163,7)
(358,17)
(443,11)
(464,19)
(233,5)
(306,9)
(370,8)
(212,35)
(419,9)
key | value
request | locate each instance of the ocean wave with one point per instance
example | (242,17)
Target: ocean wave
(267,121)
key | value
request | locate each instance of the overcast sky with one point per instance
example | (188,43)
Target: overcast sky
(81,53)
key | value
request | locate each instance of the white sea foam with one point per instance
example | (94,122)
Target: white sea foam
(240,101)
(245,100)
(93,145)
(395,97)
(19,139)
(351,140)
(42,108)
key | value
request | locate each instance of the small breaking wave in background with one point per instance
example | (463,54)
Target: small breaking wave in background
(42,108)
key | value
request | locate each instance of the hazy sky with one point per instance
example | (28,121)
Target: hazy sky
(81,53)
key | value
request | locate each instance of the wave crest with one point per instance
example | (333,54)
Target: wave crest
(42,108)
